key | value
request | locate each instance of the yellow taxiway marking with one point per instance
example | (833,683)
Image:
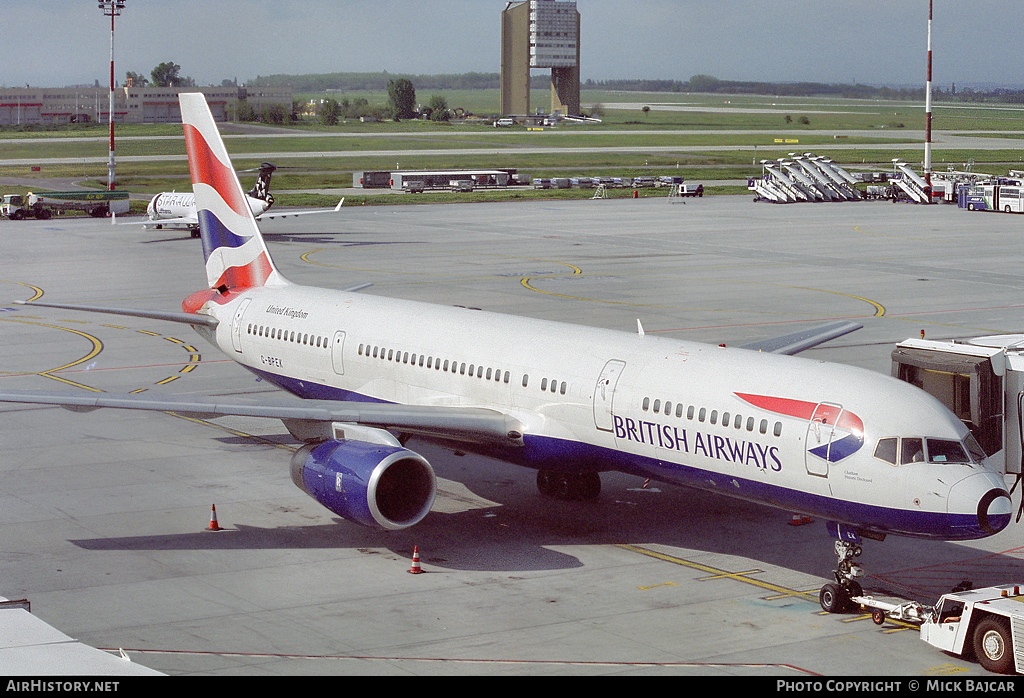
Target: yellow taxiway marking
(715,573)
(779,591)
(97,347)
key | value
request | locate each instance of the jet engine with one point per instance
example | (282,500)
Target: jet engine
(375,485)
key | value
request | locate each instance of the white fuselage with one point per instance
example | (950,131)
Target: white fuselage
(739,422)
(181,207)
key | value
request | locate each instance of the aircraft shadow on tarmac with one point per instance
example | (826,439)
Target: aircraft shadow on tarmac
(527,532)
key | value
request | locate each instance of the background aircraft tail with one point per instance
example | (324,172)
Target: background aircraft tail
(261,190)
(236,256)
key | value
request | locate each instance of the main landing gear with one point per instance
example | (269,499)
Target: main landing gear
(573,487)
(836,597)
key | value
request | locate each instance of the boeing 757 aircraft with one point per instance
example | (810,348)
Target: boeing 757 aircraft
(570,402)
(177,210)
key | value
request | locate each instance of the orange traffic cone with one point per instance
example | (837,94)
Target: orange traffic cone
(213,520)
(415,569)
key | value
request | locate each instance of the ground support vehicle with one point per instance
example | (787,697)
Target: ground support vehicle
(43,204)
(987,624)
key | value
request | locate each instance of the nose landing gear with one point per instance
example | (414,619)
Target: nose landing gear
(836,597)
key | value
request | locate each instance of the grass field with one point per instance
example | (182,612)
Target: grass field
(687,134)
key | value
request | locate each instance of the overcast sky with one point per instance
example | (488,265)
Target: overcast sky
(52,43)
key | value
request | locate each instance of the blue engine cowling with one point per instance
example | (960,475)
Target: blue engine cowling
(375,485)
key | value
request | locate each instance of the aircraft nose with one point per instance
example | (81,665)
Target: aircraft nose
(994,510)
(981,494)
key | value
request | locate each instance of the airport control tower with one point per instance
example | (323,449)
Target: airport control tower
(540,34)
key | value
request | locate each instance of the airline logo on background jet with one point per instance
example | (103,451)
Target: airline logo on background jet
(839,432)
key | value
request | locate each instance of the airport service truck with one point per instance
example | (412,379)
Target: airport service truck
(987,624)
(42,204)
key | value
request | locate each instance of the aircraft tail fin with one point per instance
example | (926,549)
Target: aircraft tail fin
(261,190)
(236,256)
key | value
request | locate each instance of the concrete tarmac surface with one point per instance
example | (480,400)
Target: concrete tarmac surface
(103,515)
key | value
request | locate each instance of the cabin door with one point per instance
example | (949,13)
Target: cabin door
(236,325)
(337,349)
(604,394)
(820,431)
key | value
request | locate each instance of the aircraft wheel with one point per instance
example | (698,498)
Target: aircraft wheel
(570,487)
(588,486)
(832,598)
(993,646)
(546,482)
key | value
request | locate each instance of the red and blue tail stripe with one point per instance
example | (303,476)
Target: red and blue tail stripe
(236,256)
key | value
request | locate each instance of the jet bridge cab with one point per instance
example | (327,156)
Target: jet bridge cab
(981,381)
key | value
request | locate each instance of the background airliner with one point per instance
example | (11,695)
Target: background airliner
(177,210)
(869,454)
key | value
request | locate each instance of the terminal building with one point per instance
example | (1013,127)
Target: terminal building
(132,105)
(540,34)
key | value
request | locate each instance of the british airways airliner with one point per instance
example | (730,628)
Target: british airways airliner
(868,453)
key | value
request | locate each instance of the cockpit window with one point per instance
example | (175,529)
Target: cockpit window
(911,451)
(886,450)
(946,451)
(977,453)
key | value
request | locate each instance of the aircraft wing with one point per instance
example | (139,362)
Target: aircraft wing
(269,215)
(462,424)
(805,339)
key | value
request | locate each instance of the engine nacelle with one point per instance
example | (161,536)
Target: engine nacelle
(376,485)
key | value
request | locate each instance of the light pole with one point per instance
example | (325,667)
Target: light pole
(928,108)
(111,8)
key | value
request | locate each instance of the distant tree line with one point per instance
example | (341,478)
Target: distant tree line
(401,105)
(710,84)
(354,82)
(165,74)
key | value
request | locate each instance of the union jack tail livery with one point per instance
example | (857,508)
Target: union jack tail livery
(236,257)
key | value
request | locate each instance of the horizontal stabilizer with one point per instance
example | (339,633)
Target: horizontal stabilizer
(805,339)
(186,318)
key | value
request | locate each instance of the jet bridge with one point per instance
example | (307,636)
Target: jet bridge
(981,380)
